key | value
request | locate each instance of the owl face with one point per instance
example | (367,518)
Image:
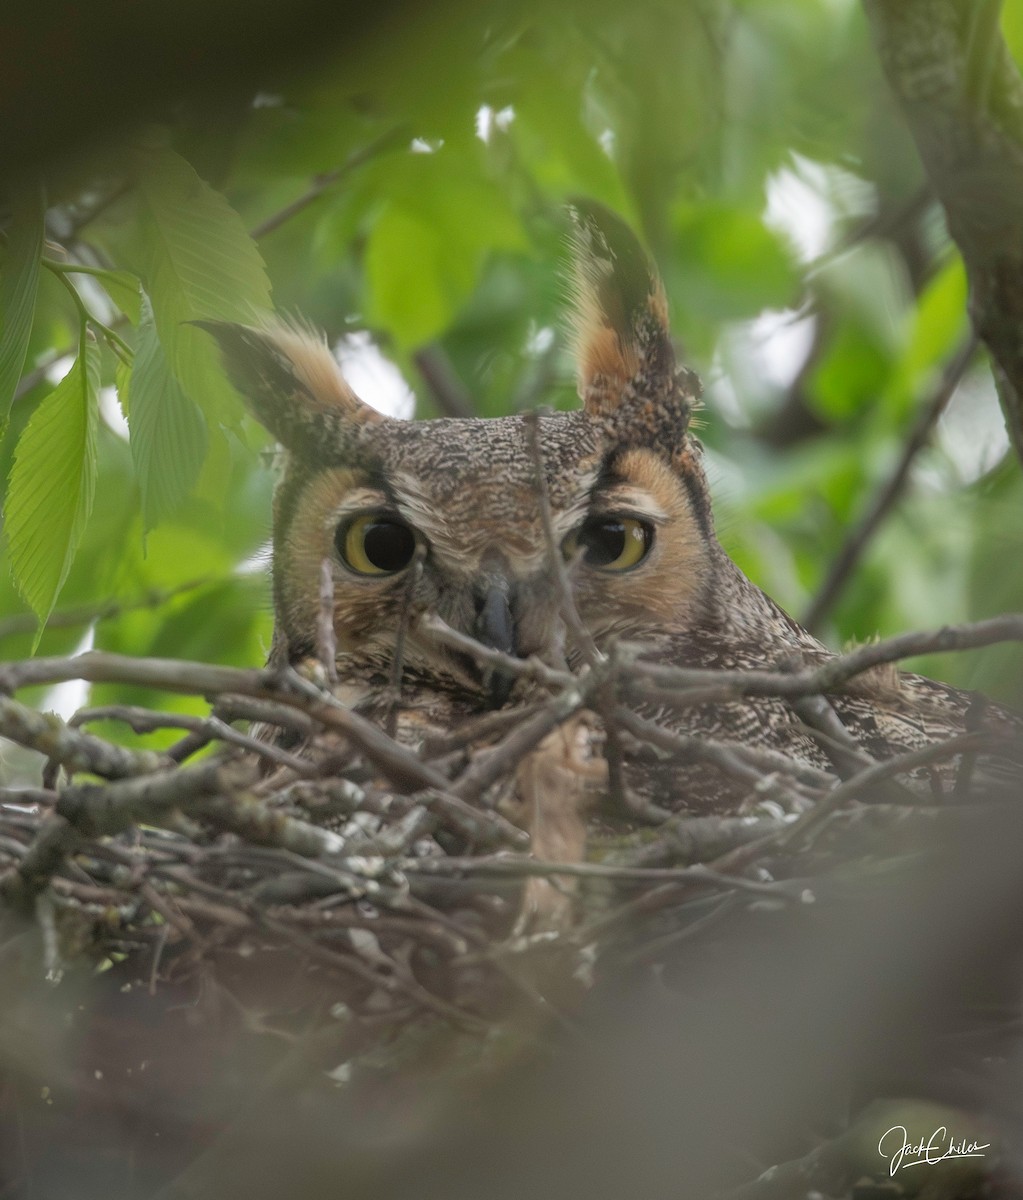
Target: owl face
(445,516)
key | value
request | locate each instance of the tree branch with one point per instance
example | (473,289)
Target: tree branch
(962,98)
(888,494)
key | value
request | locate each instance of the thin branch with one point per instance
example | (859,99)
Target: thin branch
(490,765)
(211,729)
(698,685)
(326,638)
(521,868)
(402,767)
(580,635)
(756,767)
(886,497)
(523,668)
(87,614)
(392,139)
(869,778)
(74,751)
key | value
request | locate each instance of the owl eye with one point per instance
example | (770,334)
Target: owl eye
(372,544)
(611,543)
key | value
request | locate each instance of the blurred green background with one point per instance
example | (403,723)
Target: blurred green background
(405,191)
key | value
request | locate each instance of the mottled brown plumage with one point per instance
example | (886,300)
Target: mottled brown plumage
(444,517)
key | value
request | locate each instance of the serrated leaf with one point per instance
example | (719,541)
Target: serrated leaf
(168,432)
(124,288)
(198,262)
(19,280)
(122,382)
(53,482)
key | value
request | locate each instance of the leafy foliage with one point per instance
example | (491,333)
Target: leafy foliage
(18,286)
(414,193)
(53,483)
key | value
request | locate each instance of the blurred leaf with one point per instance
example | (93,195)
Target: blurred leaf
(52,485)
(168,433)
(937,324)
(226,621)
(869,285)
(730,264)
(122,382)
(19,280)
(414,291)
(198,262)
(1012,29)
(553,139)
(125,290)
(850,375)
(426,249)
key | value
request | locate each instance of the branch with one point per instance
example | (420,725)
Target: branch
(962,98)
(322,183)
(888,494)
(402,768)
(74,751)
(207,729)
(698,685)
(86,614)
(390,140)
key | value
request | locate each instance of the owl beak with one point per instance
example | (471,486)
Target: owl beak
(495,627)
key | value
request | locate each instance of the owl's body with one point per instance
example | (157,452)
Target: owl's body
(446,517)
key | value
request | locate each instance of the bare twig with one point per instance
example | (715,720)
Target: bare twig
(580,635)
(888,494)
(491,765)
(402,767)
(521,868)
(145,720)
(73,750)
(523,668)
(869,778)
(748,764)
(703,685)
(390,140)
(326,638)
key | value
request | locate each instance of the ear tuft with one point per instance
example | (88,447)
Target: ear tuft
(287,376)
(620,313)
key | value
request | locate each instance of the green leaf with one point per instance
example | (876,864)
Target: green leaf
(168,432)
(124,289)
(849,375)
(938,323)
(122,382)
(733,266)
(198,262)
(405,264)
(19,280)
(425,252)
(53,482)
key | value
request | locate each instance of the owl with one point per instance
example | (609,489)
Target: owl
(556,537)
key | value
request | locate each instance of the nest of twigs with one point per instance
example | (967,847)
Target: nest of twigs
(363,898)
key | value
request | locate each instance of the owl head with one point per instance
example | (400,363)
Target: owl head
(444,516)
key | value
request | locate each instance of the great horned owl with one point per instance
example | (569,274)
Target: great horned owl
(446,517)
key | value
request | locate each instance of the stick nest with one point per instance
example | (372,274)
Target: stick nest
(325,875)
